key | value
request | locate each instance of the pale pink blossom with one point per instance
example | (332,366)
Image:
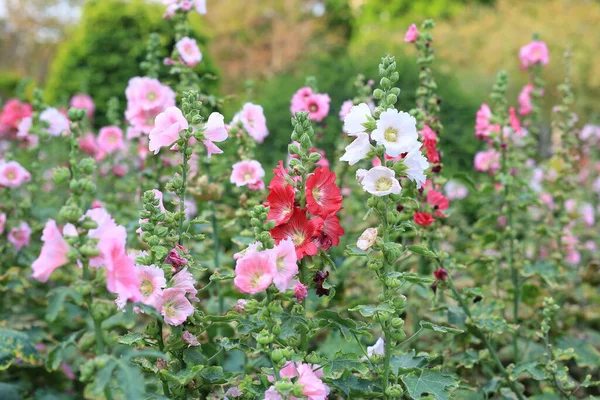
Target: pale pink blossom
(533,53)
(89,145)
(12,174)
(525,104)
(272,394)
(298,102)
(487,161)
(317,106)
(56,121)
(83,102)
(2,222)
(188,51)
(590,132)
(175,307)
(246,173)
(240,305)
(345,110)
(19,236)
(53,254)
(254,272)
(411,34)
(106,227)
(148,94)
(214,131)
(548,200)
(152,282)
(110,139)
(587,213)
(313,387)
(377,349)
(253,119)
(455,190)
(185,281)
(200,6)
(168,124)
(286,264)
(190,339)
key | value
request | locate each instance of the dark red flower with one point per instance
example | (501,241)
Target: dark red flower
(175,257)
(319,280)
(440,274)
(438,201)
(328,231)
(281,203)
(323,196)
(300,230)
(423,219)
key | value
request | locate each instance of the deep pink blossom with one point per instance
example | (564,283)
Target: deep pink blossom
(54,252)
(411,34)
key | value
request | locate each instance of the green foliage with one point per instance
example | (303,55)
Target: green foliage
(16,345)
(106,48)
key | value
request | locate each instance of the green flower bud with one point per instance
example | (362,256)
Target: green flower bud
(284,386)
(398,335)
(89,251)
(76,114)
(313,358)
(392,99)
(87,166)
(153,240)
(70,213)
(277,355)
(378,93)
(394,391)
(264,338)
(61,175)
(397,323)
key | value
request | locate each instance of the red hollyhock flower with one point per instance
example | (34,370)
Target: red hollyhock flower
(440,274)
(281,176)
(429,142)
(328,231)
(438,201)
(281,203)
(301,231)
(423,219)
(323,196)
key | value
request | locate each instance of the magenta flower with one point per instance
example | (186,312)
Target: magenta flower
(168,124)
(411,34)
(53,255)
(533,53)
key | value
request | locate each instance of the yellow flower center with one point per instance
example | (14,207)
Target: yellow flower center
(390,134)
(383,184)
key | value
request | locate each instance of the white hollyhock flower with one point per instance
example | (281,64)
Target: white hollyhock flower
(367,239)
(381,181)
(356,118)
(378,349)
(358,149)
(361,173)
(416,164)
(397,131)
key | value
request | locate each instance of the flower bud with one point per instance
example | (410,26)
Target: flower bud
(61,175)
(277,355)
(394,391)
(397,323)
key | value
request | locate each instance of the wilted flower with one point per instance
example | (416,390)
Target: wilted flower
(367,239)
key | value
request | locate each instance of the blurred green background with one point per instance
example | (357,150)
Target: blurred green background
(263,50)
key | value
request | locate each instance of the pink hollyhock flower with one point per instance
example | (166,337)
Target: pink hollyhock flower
(525,104)
(483,126)
(200,6)
(185,281)
(587,212)
(168,124)
(13,175)
(487,161)
(106,228)
(148,94)
(298,102)
(253,119)
(312,386)
(121,277)
(533,53)
(254,272)
(317,106)
(143,120)
(119,170)
(23,133)
(83,102)
(19,236)
(190,339)
(152,282)
(88,144)
(246,173)
(411,34)
(241,305)
(345,110)
(455,190)
(438,201)
(13,112)
(272,394)
(515,124)
(186,5)
(57,122)
(547,199)
(2,222)
(174,257)
(589,132)
(300,291)
(175,307)
(214,131)
(110,139)
(53,255)
(188,51)
(286,264)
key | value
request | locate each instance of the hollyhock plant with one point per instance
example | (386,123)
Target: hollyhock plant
(247,173)
(13,175)
(174,306)
(430,141)
(367,239)
(323,196)
(533,53)
(148,94)
(300,230)
(20,235)
(316,104)
(397,131)
(300,291)
(358,119)
(281,203)
(2,222)
(254,272)
(188,51)
(84,102)
(110,139)
(381,181)
(56,121)
(328,231)
(483,127)
(185,281)
(377,349)
(167,127)
(487,161)
(54,252)
(438,201)
(525,104)
(253,120)
(411,34)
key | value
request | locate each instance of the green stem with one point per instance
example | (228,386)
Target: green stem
(97,323)
(275,368)
(481,335)
(384,326)
(161,347)
(216,245)
(182,191)
(303,333)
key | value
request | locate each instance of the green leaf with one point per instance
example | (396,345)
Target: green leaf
(439,328)
(422,250)
(535,369)
(430,381)
(346,326)
(57,301)
(291,323)
(103,377)
(57,354)
(131,381)
(465,178)
(495,325)
(352,250)
(222,275)
(213,375)
(184,376)
(545,270)
(344,362)
(352,385)
(585,354)
(194,356)
(468,359)
(14,345)
(407,362)
(132,339)
(368,310)
(9,392)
